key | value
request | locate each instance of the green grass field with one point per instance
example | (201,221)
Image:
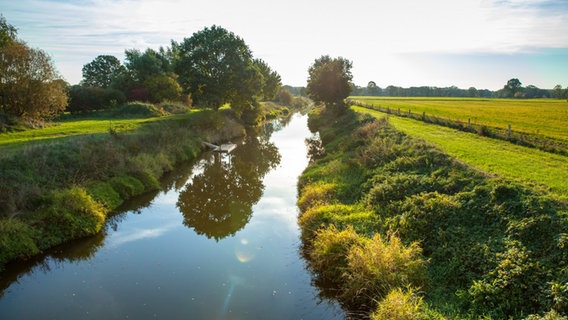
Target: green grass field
(73,127)
(492,156)
(544,117)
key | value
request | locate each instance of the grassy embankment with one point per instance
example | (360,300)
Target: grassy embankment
(539,123)
(59,183)
(403,231)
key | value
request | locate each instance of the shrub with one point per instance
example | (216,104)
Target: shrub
(148,180)
(321,216)
(127,186)
(137,110)
(162,87)
(16,241)
(401,305)
(139,94)
(317,193)
(379,265)
(103,193)
(330,249)
(512,286)
(174,107)
(70,214)
(395,187)
(87,99)
(552,315)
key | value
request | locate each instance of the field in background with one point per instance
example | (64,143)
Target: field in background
(542,117)
(68,128)
(492,156)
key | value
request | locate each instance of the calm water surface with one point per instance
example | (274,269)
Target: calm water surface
(221,241)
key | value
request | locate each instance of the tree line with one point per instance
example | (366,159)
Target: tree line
(330,81)
(212,68)
(512,89)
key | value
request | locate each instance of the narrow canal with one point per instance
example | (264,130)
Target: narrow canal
(220,241)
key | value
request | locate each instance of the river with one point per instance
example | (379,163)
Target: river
(219,241)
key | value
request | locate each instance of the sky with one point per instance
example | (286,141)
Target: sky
(466,43)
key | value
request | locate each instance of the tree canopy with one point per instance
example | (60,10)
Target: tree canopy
(101,71)
(30,86)
(215,66)
(329,80)
(270,78)
(7,32)
(145,65)
(513,87)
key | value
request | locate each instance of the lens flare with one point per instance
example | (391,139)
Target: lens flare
(244,252)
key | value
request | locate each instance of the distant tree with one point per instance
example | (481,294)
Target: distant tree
(285,97)
(532,91)
(215,66)
(271,80)
(101,71)
(30,86)
(558,92)
(162,87)
(296,91)
(393,91)
(373,89)
(512,88)
(329,81)
(472,92)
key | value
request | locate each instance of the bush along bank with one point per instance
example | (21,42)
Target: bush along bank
(395,229)
(58,191)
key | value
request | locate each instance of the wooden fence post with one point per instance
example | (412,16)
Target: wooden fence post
(509,132)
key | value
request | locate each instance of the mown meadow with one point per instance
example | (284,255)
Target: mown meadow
(397,229)
(546,117)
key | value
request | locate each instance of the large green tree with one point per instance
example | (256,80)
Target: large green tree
(102,71)
(215,66)
(329,81)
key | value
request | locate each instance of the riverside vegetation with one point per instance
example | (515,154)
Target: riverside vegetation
(396,229)
(60,189)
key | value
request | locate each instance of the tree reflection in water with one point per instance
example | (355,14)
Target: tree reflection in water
(218,202)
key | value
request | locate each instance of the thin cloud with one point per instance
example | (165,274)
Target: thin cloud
(290,35)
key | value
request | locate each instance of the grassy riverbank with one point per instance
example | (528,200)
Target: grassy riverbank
(62,188)
(402,230)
